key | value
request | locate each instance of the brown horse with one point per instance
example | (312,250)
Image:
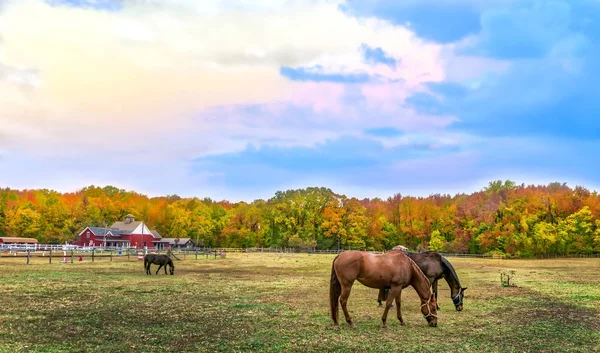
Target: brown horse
(435,267)
(393,269)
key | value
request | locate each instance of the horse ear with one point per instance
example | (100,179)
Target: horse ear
(432,296)
(464,289)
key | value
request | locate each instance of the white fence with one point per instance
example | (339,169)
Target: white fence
(36,249)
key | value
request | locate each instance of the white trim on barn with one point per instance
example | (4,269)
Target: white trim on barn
(142,229)
(85,229)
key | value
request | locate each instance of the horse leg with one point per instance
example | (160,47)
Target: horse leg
(398,309)
(388,304)
(383,295)
(346,287)
(380,297)
(434,286)
(159,266)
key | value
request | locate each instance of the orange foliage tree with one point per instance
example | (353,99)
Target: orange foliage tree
(504,217)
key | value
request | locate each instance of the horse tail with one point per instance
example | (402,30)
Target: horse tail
(335,290)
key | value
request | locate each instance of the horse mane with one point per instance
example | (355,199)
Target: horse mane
(418,270)
(448,267)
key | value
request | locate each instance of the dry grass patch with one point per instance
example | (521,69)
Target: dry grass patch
(279,303)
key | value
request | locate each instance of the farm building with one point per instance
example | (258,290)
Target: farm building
(175,243)
(128,233)
(17,240)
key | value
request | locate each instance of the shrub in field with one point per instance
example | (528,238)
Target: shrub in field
(507,278)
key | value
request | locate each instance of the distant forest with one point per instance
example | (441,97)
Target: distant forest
(503,218)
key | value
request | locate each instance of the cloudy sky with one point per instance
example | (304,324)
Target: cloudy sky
(237,99)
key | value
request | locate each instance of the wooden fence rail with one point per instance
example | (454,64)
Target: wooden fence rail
(91,254)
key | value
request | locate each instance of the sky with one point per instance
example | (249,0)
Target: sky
(238,99)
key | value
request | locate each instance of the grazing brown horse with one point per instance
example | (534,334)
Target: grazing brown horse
(435,266)
(160,260)
(393,269)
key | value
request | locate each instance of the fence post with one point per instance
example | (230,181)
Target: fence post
(71,255)
(111,256)
(28,257)
(93,255)
(184,252)
(196,254)
(127,254)
(50,258)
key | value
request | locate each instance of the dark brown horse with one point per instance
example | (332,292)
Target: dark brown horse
(160,260)
(393,269)
(435,266)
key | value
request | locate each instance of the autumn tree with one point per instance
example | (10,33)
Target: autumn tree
(503,217)
(437,242)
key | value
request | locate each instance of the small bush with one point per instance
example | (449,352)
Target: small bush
(507,278)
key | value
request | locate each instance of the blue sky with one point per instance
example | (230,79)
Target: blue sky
(369,98)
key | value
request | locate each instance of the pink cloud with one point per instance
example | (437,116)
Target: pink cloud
(386,97)
(324,96)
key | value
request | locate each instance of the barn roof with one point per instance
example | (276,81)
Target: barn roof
(101,231)
(118,229)
(171,241)
(18,240)
(126,228)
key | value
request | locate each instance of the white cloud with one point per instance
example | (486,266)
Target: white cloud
(153,62)
(82,82)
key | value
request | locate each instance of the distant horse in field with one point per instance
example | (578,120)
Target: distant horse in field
(392,270)
(435,266)
(160,260)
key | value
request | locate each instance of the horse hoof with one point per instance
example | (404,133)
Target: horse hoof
(384,326)
(403,324)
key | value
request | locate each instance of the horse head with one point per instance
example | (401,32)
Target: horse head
(172,268)
(428,309)
(458,299)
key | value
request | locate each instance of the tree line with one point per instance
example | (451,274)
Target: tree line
(504,217)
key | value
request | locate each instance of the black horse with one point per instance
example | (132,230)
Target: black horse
(160,260)
(435,266)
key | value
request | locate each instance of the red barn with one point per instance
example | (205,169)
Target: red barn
(129,233)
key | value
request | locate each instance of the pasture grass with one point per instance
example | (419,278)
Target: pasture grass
(279,303)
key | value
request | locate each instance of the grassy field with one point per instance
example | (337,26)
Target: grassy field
(279,303)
